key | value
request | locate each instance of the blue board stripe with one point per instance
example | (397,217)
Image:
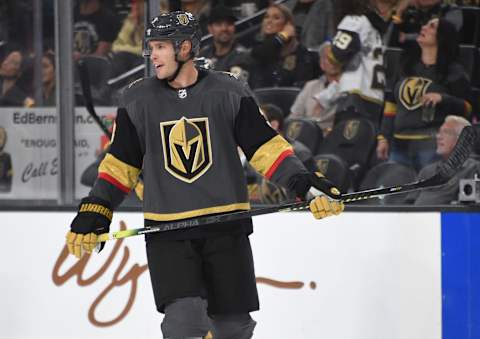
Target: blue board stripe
(460,275)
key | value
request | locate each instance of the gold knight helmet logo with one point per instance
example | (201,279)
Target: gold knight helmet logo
(186,148)
(183,19)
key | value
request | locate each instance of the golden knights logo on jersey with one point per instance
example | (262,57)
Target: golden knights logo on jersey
(186,147)
(411,92)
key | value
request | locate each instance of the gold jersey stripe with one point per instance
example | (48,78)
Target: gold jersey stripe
(196,213)
(124,173)
(390,108)
(268,153)
(413,137)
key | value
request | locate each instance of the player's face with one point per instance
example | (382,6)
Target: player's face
(163,58)
(428,34)
(222,31)
(273,21)
(447,137)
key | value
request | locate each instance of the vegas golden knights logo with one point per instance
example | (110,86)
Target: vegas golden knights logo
(322,165)
(294,129)
(186,147)
(412,90)
(351,129)
(183,19)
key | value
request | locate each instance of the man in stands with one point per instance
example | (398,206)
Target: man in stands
(224,53)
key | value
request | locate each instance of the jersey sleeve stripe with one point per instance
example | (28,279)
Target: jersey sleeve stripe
(113,181)
(277,163)
(118,172)
(269,156)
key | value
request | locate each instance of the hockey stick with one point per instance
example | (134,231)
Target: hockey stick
(87,96)
(445,172)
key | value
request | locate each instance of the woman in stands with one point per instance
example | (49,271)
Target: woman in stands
(431,85)
(48,78)
(10,92)
(278,58)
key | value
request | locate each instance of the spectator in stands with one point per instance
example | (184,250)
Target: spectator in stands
(95,29)
(278,58)
(447,137)
(10,71)
(224,53)
(318,25)
(317,98)
(418,13)
(431,85)
(48,78)
(127,47)
(358,49)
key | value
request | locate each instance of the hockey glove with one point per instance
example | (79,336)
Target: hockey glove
(93,218)
(321,206)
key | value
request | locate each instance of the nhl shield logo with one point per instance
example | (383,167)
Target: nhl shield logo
(186,148)
(183,19)
(412,90)
(351,129)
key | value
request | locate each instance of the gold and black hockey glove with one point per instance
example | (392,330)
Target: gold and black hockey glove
(325,195)
(93,218)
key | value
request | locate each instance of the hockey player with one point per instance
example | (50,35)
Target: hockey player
(358,48)
(182,128)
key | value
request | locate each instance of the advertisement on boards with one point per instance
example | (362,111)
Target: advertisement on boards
(29,150)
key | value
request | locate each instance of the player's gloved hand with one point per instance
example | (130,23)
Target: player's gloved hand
(93,218)
(321,206)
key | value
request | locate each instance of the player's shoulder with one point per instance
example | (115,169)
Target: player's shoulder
(137,87)
(228,81)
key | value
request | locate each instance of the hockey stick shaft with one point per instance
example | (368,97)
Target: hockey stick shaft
(460,153)
(87,96)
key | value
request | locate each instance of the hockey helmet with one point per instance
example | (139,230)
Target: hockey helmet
(177,26)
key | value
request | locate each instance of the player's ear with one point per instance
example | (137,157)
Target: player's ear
(185,49)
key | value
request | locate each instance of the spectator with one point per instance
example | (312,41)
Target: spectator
(95,29)
(6,171)
(447,137)
(48,78)
(318,25)
(224,53)
(10,71)
(431,85)
(358,49)
(127,47)
(306,105)
(411,20)
(278,59)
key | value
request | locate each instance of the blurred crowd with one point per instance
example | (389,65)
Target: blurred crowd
(369,92)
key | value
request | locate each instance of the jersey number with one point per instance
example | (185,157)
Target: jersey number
(342,40)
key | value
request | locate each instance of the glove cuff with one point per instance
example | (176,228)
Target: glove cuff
(96,205)
(302,183)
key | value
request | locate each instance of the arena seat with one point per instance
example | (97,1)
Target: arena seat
(335,169)
(469,33)
(283,97)
(354,141)
(304,130)
(387,174)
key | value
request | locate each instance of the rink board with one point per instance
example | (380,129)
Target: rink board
(356,276)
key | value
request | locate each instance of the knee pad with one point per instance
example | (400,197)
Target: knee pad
(186,318)
(234,326)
